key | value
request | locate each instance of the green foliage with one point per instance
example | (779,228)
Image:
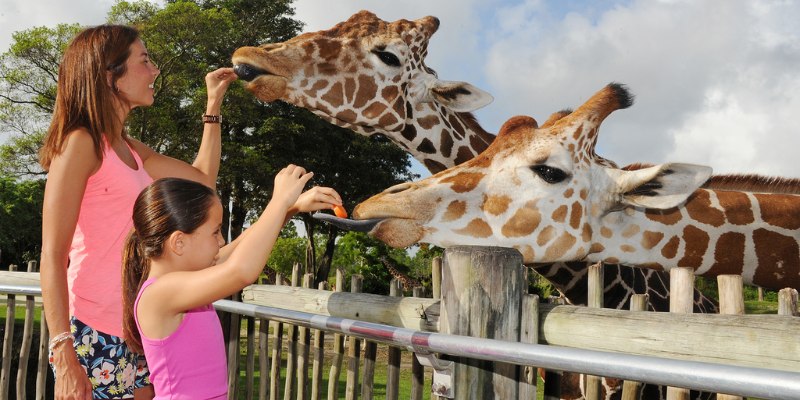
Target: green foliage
(21,219)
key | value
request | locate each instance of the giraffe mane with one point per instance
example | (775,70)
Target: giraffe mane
(471,121)
(753,183)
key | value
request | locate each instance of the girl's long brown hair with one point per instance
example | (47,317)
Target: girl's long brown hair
(163,207)
(84,97)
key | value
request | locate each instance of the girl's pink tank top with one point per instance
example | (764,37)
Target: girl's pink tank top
(95,257)
(190,362)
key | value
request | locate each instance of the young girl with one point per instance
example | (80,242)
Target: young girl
(175,262)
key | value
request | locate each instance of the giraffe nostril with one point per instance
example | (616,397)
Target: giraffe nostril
(247,72)
(398,188)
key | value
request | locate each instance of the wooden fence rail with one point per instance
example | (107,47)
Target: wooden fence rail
(763,341)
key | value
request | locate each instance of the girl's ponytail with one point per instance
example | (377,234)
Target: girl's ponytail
(135,268)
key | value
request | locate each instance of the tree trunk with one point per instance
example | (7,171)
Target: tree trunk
(324,265)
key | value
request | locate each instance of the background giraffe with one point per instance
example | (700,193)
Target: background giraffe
(545,192)
(369,75)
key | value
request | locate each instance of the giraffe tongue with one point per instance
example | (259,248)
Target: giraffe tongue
(357,225)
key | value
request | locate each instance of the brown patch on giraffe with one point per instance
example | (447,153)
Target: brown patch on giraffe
(779,210)
(522,223)
(626,248)
(560,246)
(670,250)
(426,146)
(596,248)
(587,232)
(546,235)
(464,182)
(495,205)
(434,166)
(446,144)
(409,132)
(584,194)
(700,209)
(666,217)
(568,193)
(737,207)
(527,252)
(777,259)
(374,110)
(366,91)
(390,93)
(346,115)
(455,210)
(606,232)
(464,154)
(577,135)
(651,239)
(476,228)
(335,95)
(729,252)
(428,122)
(630,231)
(576,215)
(388,120)
(611,260)
(560,214)
(696,245)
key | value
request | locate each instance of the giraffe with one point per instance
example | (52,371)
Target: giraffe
(408,283)
(370,76)
(545,192)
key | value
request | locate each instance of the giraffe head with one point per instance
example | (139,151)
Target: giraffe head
(364,74)
(542,190)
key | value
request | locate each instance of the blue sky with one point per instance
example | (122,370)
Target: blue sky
(716,82)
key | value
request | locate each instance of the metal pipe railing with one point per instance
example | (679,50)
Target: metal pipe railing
(735,380)
(709,377)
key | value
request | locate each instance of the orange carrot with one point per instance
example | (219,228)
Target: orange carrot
(340,211)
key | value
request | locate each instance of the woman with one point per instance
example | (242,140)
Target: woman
(95,172)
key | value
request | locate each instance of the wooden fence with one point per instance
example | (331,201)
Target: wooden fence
(763,341)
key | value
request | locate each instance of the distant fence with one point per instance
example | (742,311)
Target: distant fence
(746,355)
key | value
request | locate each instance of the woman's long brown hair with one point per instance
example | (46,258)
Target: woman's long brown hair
(84,96)
(163,207)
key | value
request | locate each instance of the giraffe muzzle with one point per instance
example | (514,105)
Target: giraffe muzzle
(248,72)
(356,225)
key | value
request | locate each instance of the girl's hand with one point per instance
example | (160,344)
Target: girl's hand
(218,81)
(289,183)
(317,198)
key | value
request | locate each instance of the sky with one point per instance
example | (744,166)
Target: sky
(716,82)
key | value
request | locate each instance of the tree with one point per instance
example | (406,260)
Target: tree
(187,39)
(21,218)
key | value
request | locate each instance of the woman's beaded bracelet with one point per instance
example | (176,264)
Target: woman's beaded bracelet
(63,336)
(212,119)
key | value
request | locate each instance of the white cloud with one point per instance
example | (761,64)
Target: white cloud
(716,82)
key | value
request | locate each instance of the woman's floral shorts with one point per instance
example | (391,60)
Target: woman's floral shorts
(113,370)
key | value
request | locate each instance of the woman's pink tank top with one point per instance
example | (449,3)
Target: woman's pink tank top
(190,362)
(95,257)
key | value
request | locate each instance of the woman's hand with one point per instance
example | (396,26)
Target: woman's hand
(217,82)
(72,382)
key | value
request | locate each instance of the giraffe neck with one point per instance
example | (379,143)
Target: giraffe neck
(435,136)
(717,232)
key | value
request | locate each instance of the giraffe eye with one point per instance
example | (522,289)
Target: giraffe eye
(387,58)
(549,174)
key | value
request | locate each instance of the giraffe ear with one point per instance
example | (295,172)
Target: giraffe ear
(459,96)
(660,187)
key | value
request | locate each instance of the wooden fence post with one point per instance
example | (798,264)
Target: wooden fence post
(731,302)
(482,290)
(338,348)
(787,302)
(595,300)
(394,354)
(630,389)
(353,348)
(681,300)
